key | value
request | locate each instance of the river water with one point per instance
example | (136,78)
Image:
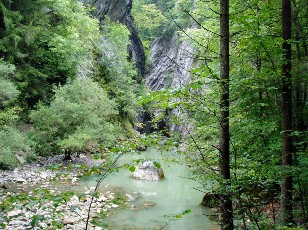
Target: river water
(171,196)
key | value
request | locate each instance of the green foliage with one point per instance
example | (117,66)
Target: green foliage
(173,217)
(114,46)
(157,165)
(8,91)
(115,73)
(132,168)
(14,147)
(9,116)
(160,18)
(80,117)
(149,19)
(48,41)
(255,111)
(180,215)
(179,14)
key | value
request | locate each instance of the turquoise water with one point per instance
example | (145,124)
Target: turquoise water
(171,196)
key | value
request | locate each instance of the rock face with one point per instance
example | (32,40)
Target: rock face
(148,171)
(171,62)
(120,10)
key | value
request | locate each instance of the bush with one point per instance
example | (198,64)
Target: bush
(8,91)
(14,147)
(81,117)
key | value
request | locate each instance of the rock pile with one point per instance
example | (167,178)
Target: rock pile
(67,215)
(39,172)
(30,212)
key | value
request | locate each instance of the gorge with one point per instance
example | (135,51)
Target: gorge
(209,99)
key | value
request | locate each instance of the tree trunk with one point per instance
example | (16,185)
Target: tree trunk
(67,155)
(286,187)
(225,199)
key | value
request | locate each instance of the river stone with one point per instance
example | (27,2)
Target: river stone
(21,159)
(3,186)
(114,205)
(70,220)
(148,171)
(147,204)
(130,197)
(19,180)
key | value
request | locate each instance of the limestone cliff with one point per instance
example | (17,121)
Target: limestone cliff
(171,61)
(120,10)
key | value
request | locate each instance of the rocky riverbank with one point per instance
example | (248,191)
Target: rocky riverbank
(37,196)
(46,169)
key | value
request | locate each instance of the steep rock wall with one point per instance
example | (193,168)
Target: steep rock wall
(171,60)
(120,10)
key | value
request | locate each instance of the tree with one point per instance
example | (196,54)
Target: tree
(49,42)
(224,140)
(81,117)
(286,187)
(148,19)
(256,92)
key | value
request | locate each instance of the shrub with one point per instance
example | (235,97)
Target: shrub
(8,93)
(80,117)
(14,147)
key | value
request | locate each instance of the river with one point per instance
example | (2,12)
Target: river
(171,196)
